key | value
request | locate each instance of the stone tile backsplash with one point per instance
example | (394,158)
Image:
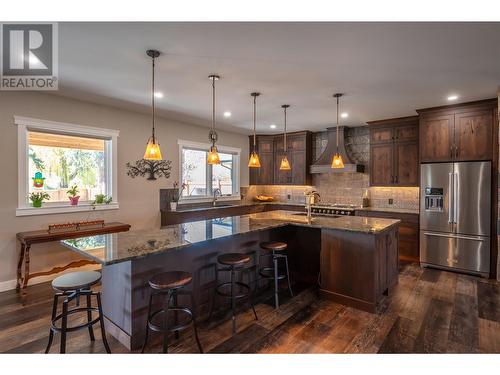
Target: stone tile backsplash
(345,188)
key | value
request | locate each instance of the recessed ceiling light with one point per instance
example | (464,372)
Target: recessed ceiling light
(344,115)
(452,97)
(158,94)
(272,126)
(227,114)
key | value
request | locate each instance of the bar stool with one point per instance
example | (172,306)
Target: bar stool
(73,286)
(232,263)
(168,285)
(275,250)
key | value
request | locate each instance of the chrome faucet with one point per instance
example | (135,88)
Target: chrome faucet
(310,200)
(216,192)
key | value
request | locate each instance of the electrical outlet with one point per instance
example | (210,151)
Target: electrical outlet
(391,201)
(288,196)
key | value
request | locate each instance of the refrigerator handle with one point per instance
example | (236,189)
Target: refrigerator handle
(451,198)
(455,192)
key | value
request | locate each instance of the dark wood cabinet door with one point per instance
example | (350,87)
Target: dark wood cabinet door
(381,168)
(436,138)
(298,164)
(406,133)
(381,134)
(474,135)
(406,166)
(266,170)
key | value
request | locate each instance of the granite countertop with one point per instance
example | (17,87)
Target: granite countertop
(388,209)
(123,246)
(229,204)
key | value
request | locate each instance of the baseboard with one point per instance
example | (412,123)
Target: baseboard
(11,284)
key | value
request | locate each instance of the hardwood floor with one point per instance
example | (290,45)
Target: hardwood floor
(430,311)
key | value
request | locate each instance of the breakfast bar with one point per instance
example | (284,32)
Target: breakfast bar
(354,258)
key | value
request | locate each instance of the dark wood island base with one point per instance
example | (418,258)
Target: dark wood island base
(357,269)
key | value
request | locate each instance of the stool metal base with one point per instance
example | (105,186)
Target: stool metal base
(272,273)
(231,295)
(63,317)
(168,308)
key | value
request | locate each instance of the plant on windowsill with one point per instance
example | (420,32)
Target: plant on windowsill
(38,197)
(176,196)
(101,199)
(73,195)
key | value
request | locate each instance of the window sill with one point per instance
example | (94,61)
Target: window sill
(48,210)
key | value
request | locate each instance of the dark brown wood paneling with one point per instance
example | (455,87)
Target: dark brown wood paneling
(436,138)
(381,164)
(406,167)
(474,135)
(408,232)
(381,135)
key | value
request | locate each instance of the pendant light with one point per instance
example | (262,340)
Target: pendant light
(153,147)
(213,155)
(254,161)
(285,164)
(337,161)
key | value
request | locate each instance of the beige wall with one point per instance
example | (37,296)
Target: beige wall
(138,198)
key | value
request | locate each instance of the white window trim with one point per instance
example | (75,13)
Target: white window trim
(225,149)
(26,123)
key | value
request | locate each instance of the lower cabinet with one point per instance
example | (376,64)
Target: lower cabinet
(357,269)
(408,232)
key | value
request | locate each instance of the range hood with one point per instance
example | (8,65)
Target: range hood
(324,162)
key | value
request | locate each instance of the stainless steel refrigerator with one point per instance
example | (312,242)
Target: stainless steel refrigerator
(455,216)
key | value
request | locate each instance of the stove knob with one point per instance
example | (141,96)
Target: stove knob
(342,212)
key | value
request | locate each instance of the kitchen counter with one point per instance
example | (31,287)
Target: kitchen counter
(390,210)
(356,257)
(120,247)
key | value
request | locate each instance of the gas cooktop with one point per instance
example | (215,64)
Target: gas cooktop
(333,209)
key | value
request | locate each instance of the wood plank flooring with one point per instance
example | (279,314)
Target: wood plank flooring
(430,311)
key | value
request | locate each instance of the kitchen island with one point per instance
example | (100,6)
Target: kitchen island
(357,258)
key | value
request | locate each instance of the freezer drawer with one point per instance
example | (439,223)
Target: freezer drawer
(464,253)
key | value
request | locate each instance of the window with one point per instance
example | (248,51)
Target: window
(201,179)
(54,157)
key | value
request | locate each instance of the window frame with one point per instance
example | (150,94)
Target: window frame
(236,152)
(25,124)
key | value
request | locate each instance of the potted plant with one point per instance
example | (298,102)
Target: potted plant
(176,197)
(38,197)
(102,199)
(72,195)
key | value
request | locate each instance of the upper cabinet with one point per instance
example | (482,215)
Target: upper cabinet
(462,132)
(394,152)
(271,150)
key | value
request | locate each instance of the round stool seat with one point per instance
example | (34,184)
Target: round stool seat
(233,259)
(76,280)
(170,280)
(273,246)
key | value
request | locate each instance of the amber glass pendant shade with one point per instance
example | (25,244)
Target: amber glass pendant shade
(254,161)
(213,156)
(285,165)
(153,151)
(337,161)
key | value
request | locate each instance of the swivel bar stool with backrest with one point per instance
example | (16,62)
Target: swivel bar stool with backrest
(169,285)
(232,263)
(275,250)
(71,287)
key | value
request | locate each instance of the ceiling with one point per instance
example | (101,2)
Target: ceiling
(385,69)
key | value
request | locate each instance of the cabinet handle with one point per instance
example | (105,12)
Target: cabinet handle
(392,178)
(456,151)
(451,151)
(396,179)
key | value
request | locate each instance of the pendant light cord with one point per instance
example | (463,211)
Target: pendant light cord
(338,124)
(153,97)
(254,116)
(284,137)
(213,105)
